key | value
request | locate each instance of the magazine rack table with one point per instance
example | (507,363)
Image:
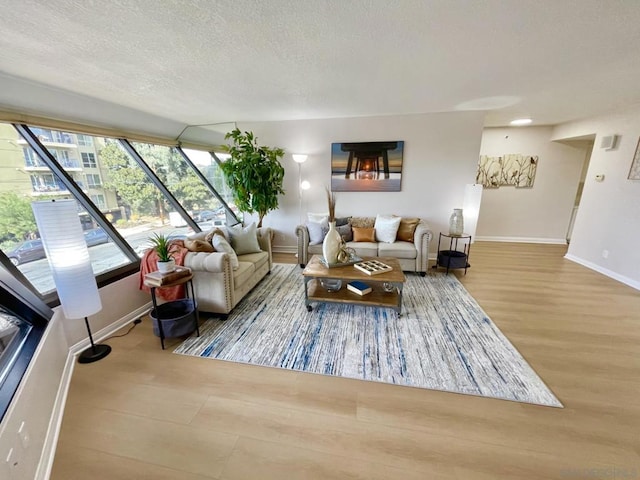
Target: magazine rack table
(387,286)
(177,317)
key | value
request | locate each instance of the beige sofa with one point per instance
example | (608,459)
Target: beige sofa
(412,256)
(218,287)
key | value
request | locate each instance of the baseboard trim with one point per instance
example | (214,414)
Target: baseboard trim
(55,423)
(552,241)
(604,271)
(284,249)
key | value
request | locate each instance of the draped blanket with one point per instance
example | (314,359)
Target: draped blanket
(149,263)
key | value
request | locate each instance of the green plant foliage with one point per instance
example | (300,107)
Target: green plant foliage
(161,243)
(16,217)
(253,173)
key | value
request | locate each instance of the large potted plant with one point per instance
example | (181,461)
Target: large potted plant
(164,249)
(253,173)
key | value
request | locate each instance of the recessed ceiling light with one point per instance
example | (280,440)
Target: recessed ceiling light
(521,121)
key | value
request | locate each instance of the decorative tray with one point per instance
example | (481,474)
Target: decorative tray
(352,260)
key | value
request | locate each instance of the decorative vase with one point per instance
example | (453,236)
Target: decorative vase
(331,244)
(456,222)
(166,267)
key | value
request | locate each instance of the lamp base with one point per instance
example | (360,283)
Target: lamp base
(94,353)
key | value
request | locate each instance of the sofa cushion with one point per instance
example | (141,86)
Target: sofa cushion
(244,240)
(364,249)
(397,249)
(362,234)
(209,235)
(244,271)
(342,221)
(317,231)
(386,228)
(366,222)
(221,245)
(198,245)
(407,229)
(318,217)
(258,258)
(345,232)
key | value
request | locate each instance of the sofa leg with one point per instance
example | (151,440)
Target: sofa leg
(302,265)
(223,316)
(422,274)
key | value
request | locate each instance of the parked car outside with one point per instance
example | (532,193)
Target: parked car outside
(27,252)
(96,236)
(204,216)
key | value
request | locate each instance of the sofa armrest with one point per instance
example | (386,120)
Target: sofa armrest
(421,239)
(303,244)
(265,239)
(213,280)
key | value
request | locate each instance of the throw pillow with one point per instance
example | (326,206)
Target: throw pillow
(340,222)
(361,234)
(221,245)
(407,229)
(209,236)
(198,245)
(317,231)
(244,240)
(345,232)
(386,227)
(317,217)
(366,222)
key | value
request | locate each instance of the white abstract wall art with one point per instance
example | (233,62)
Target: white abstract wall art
(512,169)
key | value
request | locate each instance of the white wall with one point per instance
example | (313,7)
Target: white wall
(119,299)
(539,214)
(609,214)
(440,157)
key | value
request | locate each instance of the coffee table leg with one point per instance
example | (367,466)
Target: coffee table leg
(306,293)
(399,286)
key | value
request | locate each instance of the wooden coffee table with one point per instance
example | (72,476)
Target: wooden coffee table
(379,297)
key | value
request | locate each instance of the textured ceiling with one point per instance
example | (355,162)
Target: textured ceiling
(201,62)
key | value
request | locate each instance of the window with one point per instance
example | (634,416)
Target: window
(99,201)
(84,140)
(93,180)
(88,160)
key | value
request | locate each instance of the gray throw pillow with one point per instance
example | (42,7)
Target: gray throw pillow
(345,232)
(244,240)
(317,231)
(342,221)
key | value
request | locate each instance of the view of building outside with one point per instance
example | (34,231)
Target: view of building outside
(114,182)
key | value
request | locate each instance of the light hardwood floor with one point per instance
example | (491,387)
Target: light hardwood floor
(146,413)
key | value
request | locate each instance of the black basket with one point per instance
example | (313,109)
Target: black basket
(178,318)
(452,259)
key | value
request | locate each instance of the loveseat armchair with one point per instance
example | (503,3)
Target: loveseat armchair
(218,286)
(411,251)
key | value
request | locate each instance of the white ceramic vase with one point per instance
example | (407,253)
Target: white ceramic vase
(331,244)
(456,222)
(166,267)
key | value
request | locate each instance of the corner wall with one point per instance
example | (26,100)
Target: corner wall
(440,157)
(540,214)
(607,227)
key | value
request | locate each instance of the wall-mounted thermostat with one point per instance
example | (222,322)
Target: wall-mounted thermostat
(600,177)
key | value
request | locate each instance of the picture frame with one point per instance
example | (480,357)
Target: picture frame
(634,170)
(366,166)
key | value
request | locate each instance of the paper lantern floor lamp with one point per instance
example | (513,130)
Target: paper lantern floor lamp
(68,255)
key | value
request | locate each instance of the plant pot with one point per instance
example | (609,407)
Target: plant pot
(166,267)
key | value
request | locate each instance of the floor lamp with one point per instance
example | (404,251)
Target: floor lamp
(68,255)
(300,159)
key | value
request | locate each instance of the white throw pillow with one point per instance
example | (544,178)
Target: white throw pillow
(318,217)
(317,231)
(386,228)
(221,245)
(244,240)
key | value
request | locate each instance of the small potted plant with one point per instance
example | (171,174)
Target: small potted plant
(163,247)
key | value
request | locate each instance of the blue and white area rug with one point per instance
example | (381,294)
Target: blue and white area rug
(442,341)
